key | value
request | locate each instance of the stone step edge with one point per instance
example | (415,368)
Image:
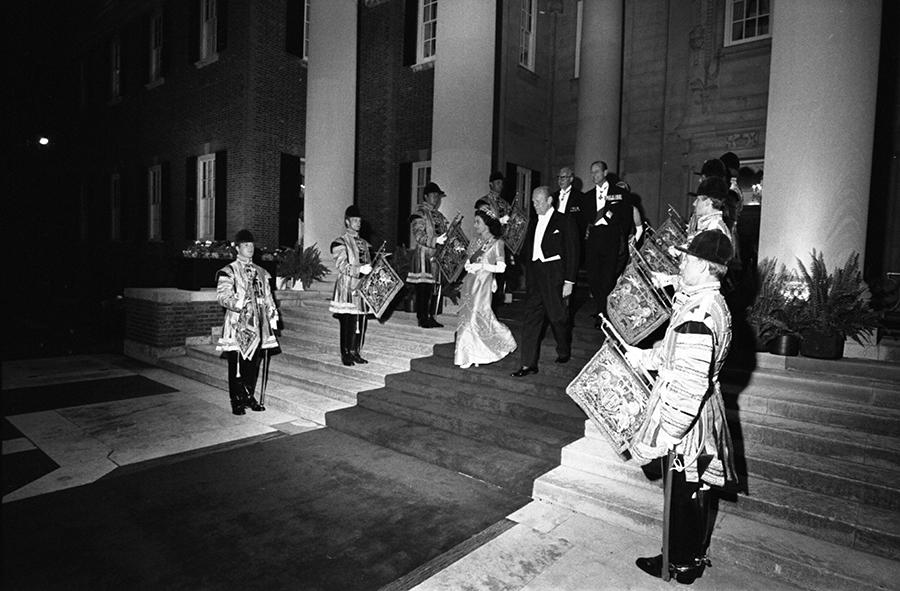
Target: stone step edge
(741,540)
(311,406)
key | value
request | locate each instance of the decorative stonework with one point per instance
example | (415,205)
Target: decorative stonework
(746,139)
(704,69)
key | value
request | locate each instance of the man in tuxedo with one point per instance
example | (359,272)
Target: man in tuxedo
(550,253)
(567,200)
(608,215)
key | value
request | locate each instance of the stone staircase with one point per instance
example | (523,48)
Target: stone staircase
(306,377)
(817,443)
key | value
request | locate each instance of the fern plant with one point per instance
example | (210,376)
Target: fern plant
(303,264)
(772,313)
(838,302)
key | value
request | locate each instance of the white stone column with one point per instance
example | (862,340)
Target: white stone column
(599,87)
(819,129)
(462,128)
(330,120)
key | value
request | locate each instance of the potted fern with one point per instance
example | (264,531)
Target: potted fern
(772,313)
(302,265)
(836,308)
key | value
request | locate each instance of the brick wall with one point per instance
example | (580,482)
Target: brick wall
(167,324)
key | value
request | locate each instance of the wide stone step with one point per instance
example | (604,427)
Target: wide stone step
(286,398)
(847,481)
(397,320)
(310,343)
(806,561)
(460,393)
(388,329)
(831,391)
(403,345)
(519,436)
(308,379)
(492,464)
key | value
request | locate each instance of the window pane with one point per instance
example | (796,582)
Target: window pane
(750,29)
(763,26)
(737,32)
(751,8)
(738,12)
(763,6)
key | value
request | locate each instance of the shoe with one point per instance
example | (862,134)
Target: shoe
(427,323)
(683,573)
(357,358)
(563,358)
(524,371)
(347,359)
(238,410)
(435,323)
(253,404)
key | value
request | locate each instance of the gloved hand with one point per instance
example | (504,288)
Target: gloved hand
(504,220)
(441,239)
(473,267)
(365,269)
(633,355)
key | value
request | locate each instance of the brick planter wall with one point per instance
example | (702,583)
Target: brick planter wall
(158,321)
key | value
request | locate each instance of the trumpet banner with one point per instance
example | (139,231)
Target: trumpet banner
(514,235)
(452,255)
(634,306)
(613,395)
(379,287)
(670,233)
(658,259)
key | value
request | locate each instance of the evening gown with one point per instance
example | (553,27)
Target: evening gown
(480,337)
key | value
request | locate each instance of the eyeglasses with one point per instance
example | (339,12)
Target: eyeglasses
(564,176)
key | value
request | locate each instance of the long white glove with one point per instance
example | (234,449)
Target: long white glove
(441,239)
(365,269)
(473,267)
(499,267)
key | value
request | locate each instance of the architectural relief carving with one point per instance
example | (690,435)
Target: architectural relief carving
(704,70)
(746,139)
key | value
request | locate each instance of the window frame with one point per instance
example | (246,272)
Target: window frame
(115,207)
(579,23)
(421,38)
(304,49)
(115,68)
(728,28)
(523,188)
(420,171)
(206,197)
(156,48)
(154,202)
(209,17)
(527,33)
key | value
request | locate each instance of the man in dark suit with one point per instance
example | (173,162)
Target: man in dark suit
(608,215)
(550,253)
(567,199)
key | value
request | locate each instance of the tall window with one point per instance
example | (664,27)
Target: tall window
(208,24)
(115,68)
(154,200)
(306,29)
(421,176)
(747,20)
(523,188)
(206,197)
(527,24)
(427,38)
(156,41)
(115,207)
(579,19)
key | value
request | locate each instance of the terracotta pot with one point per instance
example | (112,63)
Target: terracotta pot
(822,345)
(785,344)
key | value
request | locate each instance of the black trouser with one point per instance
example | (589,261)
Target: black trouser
(424,301)
(241,388)
(544,301)
(688,518)
(602,262)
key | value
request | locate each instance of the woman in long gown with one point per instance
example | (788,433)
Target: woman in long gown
(480,337)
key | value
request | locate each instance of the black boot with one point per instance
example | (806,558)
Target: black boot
(237,405)
(683,573)
(253,404)
(346,338)
(356,341)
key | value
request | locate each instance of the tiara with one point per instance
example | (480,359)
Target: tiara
(490,212)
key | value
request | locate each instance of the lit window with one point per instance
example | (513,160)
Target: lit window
(115,207)
(156,41)
(747,20)
(206,197)
(154,199)
(527,24)
(427,37)
(115,64)
(208,24)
